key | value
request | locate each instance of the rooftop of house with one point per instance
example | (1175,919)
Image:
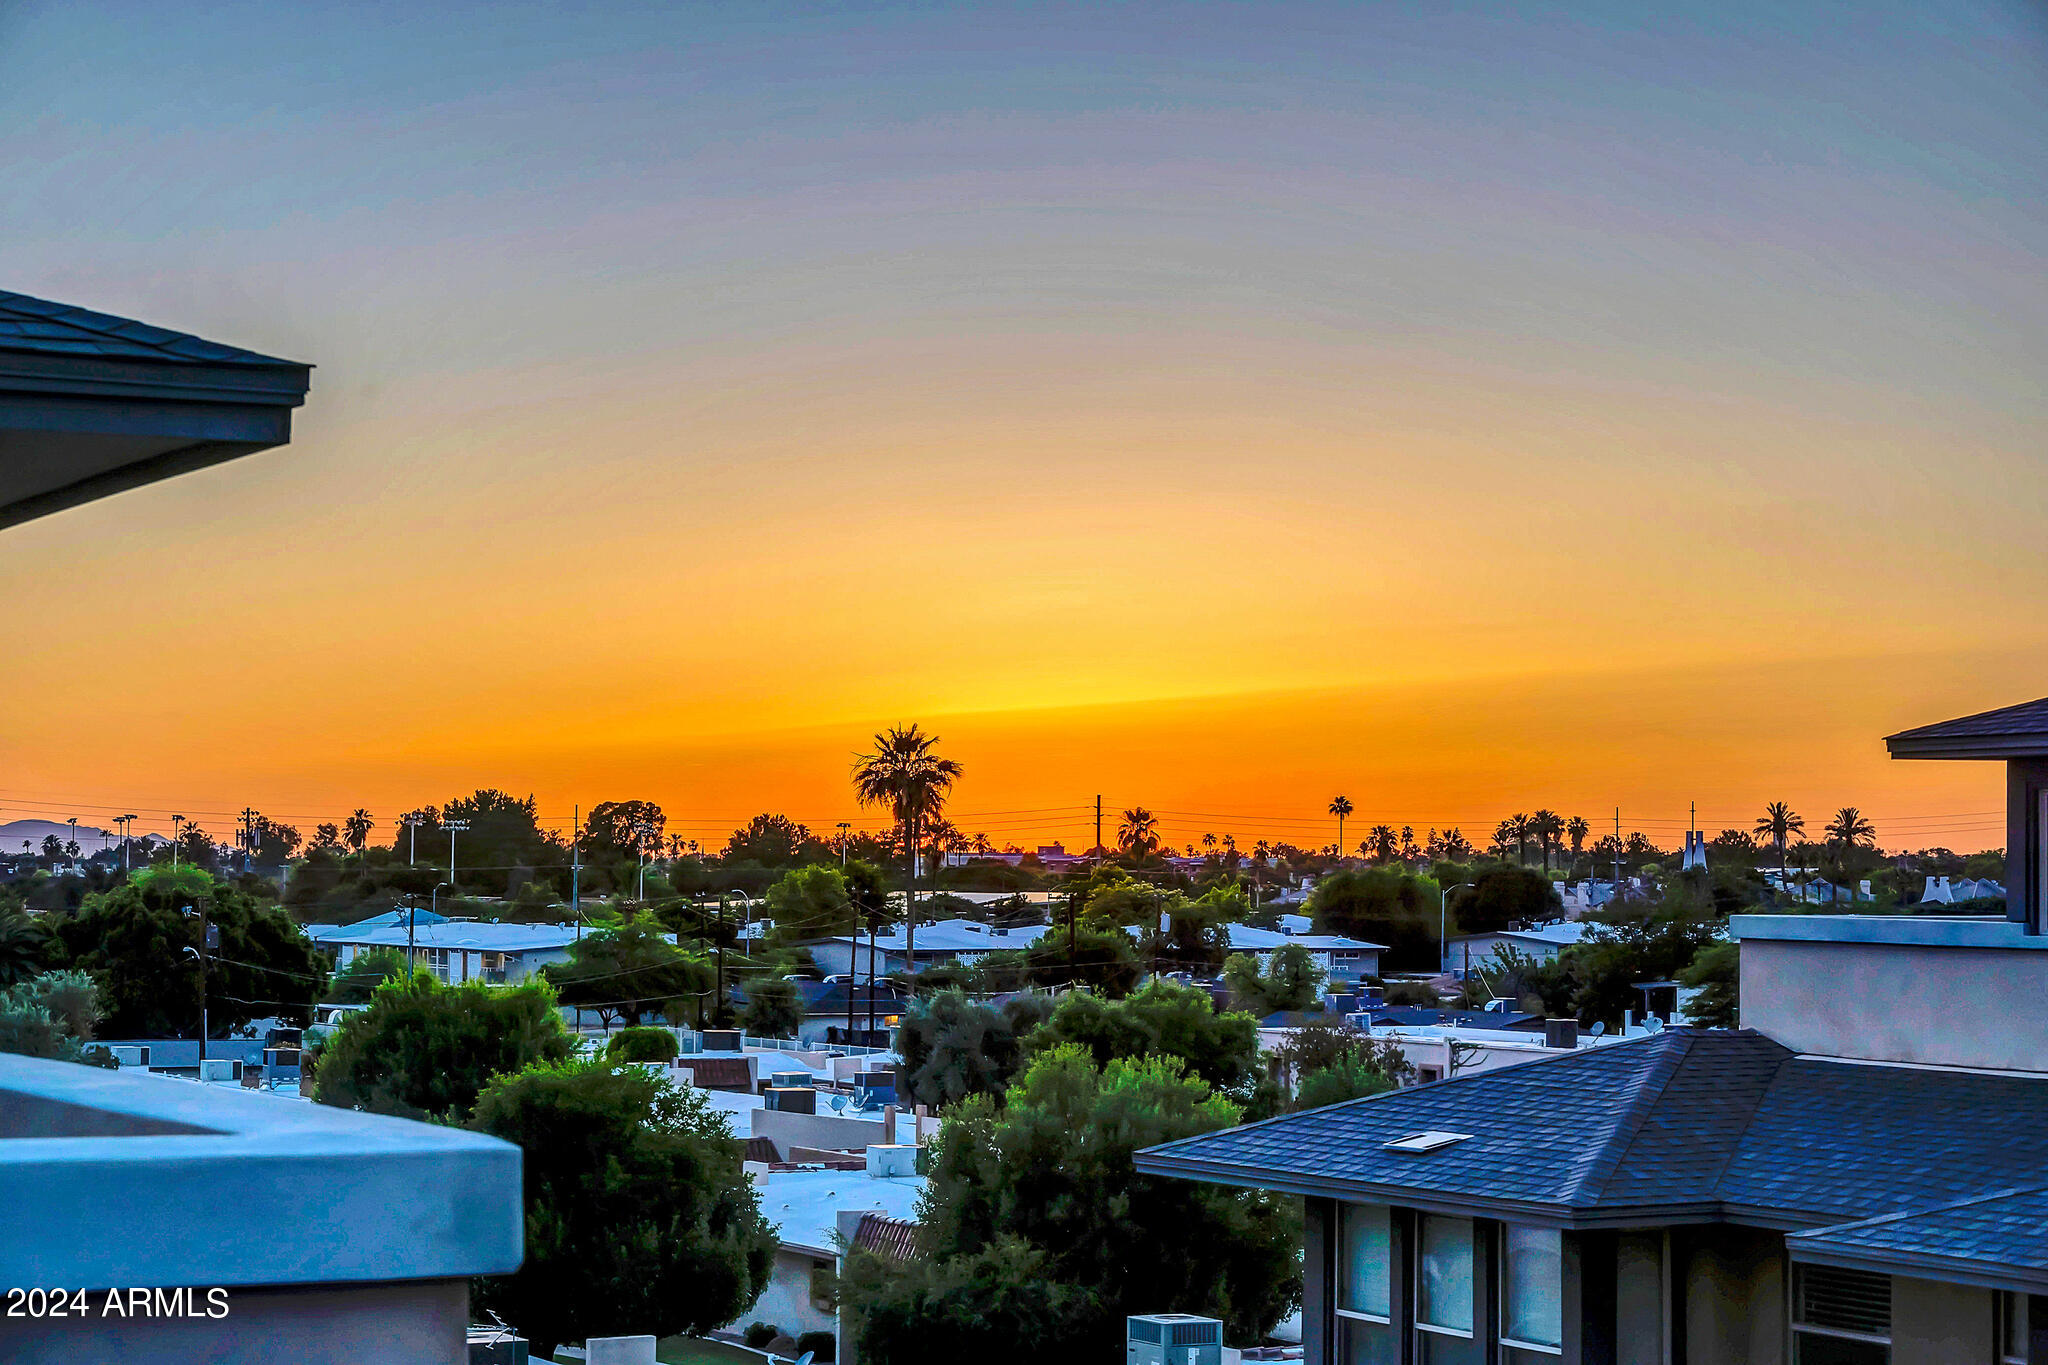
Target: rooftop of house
(141,1180)
(804,1206)
(1687,1125)
(1247,939)
(952,936)
(1562,934)
(1421,1016)
(2009,732)
(92,404)
(471,936)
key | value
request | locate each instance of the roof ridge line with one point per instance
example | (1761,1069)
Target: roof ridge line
(1622,1136)
(1902,1215)
(1749,1121)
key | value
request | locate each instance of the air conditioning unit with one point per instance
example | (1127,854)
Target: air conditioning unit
(1173,1339)
(721,1040)
(892,1160)
(1560,1033)
(795,1099)
(220,1069)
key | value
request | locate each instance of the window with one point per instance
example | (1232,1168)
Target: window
(1840,1317)
(1532,1292)
(1444,1292)
(1365,1286)
(2012,1329)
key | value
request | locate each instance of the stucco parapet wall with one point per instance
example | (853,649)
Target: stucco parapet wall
(113,1180)
(1919,931)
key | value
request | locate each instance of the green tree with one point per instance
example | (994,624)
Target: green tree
(1348,1078)
(1715,973)
(1161,1019)
(1050,1171)
(997,1302)
(1387,905)
(622,831)
(353,984)
(25,948)
(774,1009)
(627,970)
(637,1210)
(1290,980)
(52,1016)
(423,1050)
(133,940)
(809,903)
(648,1043)
(1104,960)
(1505,896)
(953,1046)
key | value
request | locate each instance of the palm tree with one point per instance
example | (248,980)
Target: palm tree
(1340,807)
(1138,835)
(1519,825)
(358,827)
(1778,823)
(1849,831)
(22,946)
(1548,827)
(1576,829)
(1209,844)
(906,776)
(1380,843)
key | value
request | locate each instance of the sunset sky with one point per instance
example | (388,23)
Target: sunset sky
(1465,408)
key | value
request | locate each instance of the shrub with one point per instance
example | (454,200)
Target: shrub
(759,1334)
(820,1345)
(1413,993)
(643,1043)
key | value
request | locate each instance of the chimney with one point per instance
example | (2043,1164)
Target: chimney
(889,1122)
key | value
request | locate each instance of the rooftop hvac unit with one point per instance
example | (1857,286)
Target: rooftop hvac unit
(795,1099)
(1560,1033)
(721,1040)
(892,1160)
(1173,1339)
(220,1069)
(791,1078)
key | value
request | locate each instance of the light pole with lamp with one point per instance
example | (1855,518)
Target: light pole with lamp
(843,828)
(454,827)
(208,937)
(1443,930)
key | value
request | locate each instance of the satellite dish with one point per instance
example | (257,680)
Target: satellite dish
(1598,1029)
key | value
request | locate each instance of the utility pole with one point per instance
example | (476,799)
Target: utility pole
(177,836)
(127,824)
(455,827)
(206,939)
(1617,852)
(1098,821)
(576,870)
(412,838)
(249,818)
(843,827)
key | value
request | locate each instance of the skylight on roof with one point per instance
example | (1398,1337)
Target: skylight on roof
(1429,1141)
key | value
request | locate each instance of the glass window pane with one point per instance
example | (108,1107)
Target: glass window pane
(1443,1283)
(1363,1282)
(1368,1343)
(1431,1349)
(1811,1348)
(1532,1286)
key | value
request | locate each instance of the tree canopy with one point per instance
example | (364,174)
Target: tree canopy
(1161,1019)
(423,1050)
(1046,1181)
(1386,905)
(628,970)
(638,1215)
(132,940)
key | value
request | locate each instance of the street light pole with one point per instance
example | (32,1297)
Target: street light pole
(1443,929)
(843,827)
(454,827)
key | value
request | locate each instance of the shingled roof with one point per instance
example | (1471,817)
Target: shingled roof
(2009,732)
(44,327)
(1688,1125)
(1998,1241)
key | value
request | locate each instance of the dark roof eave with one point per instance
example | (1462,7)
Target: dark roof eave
(136,474)
(1918,1265)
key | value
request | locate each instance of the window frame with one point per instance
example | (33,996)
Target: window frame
(1337,1276)
(1500,1326)
(1472,1276)
(1797,1329)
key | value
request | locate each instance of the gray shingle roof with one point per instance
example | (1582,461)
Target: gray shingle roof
(1688,1124)
(1989,732)
(48,328)
(1999,1238)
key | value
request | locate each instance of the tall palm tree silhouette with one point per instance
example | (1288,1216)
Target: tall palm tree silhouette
(912,782)
(358,827)
(1779,823)
(1340,808)
(1139,833)
(1576,829)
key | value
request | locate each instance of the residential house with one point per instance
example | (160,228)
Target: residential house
(1541,942)
(946,940)
(814,1213)
(455,950)
(1345,961)
(1856,1177)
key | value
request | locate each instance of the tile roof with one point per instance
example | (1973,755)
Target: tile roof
(1690,1123)
(2000,1239)
(895,1238)
(719,1073)
(49,328)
